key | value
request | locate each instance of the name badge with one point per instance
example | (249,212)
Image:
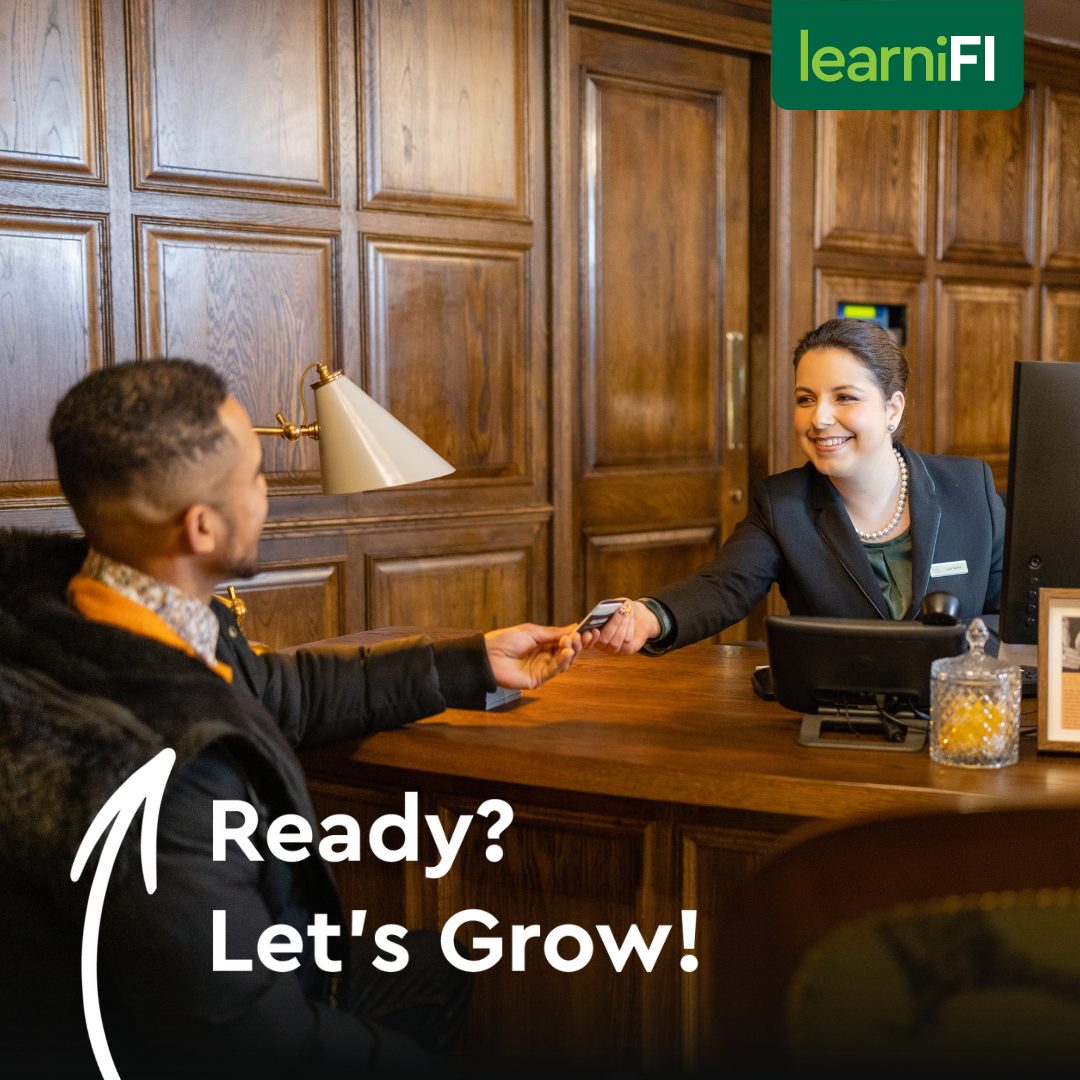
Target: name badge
(949,569)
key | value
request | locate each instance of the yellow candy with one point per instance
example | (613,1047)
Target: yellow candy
(966,726)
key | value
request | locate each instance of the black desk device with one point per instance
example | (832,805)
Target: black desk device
(868,679)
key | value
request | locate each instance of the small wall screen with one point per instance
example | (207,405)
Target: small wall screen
(891,317)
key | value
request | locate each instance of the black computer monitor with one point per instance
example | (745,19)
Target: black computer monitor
(857,677)
(823,663)
(1042,516)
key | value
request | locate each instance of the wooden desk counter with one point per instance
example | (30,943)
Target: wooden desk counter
(684,728)
(640,786)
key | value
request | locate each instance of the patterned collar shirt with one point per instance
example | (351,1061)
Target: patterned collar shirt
(190,619)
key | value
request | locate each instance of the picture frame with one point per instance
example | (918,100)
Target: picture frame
(1059,670)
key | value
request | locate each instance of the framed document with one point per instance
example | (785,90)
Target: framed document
(1059,670)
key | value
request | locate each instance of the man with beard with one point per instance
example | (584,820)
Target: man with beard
(112,649)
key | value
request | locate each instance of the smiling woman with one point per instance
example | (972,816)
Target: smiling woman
(850,393)
(860,531)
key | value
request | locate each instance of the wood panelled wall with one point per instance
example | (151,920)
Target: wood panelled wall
(527,227)
(969,219)
(263,184)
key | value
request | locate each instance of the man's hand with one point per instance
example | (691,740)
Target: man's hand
(524,656)
(626,631)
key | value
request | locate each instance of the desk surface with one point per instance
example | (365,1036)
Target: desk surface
(685,728)
(640,786)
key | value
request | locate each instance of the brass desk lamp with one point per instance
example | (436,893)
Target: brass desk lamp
(361,446)
(238,606)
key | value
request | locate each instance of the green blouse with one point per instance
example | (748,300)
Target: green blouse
(892,568)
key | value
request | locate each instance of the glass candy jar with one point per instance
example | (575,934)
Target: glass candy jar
(974,707)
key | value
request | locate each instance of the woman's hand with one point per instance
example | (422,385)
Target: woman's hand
(625,632)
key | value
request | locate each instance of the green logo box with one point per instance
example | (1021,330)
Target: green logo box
(897,54)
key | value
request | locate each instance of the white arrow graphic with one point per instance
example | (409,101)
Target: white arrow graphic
(145,785)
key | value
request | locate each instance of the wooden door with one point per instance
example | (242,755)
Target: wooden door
(659,435)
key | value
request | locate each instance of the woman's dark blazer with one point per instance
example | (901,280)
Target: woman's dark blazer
(799,535)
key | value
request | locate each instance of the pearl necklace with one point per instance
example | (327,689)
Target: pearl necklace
(899,506)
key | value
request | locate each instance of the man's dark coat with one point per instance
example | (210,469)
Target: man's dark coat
(82,705)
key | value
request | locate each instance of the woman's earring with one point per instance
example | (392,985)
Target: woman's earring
(892,428)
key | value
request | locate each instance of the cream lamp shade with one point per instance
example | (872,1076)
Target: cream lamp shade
(361,446)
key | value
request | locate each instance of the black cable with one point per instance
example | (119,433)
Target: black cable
(921,721)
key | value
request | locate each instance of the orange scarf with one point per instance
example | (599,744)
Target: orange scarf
(96,601)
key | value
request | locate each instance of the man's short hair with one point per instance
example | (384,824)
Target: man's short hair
(124,429)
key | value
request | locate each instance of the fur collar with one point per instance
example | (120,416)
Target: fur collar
(83,705)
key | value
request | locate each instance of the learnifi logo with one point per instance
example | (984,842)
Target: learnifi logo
(897,54)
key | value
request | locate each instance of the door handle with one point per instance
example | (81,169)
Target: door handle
(735,388)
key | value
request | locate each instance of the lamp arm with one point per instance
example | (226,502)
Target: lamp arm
(289,432)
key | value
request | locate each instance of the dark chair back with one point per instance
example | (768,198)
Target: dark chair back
(931,942)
